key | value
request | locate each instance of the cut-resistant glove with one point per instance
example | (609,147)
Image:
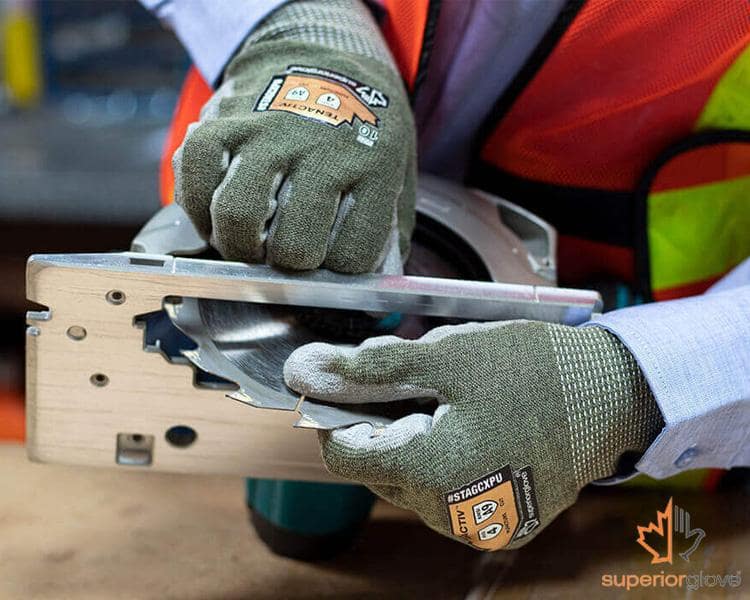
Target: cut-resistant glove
(528,414)
(305,155)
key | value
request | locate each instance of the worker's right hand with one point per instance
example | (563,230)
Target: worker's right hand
(304,157)
(528,414)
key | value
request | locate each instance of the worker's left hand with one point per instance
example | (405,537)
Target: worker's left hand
(305,156)
(529,413)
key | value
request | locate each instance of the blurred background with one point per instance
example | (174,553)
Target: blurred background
(87,88)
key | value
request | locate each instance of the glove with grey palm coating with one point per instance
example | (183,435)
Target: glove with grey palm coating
(305,155)
(528,414)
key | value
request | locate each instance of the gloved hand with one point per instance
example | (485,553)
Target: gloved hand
(529,414)
(305,155)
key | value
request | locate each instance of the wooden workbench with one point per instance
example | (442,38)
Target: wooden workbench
(70,532)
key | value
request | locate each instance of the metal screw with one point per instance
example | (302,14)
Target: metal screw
(99,379)
(76,332)
(115,297)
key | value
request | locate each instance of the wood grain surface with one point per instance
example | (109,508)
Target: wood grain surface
(71,421)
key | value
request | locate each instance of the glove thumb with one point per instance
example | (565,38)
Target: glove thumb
(381,369)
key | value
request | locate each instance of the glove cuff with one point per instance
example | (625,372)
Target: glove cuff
(610,407)
(342,25)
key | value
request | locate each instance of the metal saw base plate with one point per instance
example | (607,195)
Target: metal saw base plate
(86,389)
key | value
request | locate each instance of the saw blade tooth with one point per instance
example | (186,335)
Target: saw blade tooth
(241,396)
(191,355)
(323,416)
(305,422)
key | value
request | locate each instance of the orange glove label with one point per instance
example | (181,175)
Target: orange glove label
(486,512)
(324,96)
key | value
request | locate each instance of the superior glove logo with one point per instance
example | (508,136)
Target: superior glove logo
(324,96)
(659,539)
(672,519)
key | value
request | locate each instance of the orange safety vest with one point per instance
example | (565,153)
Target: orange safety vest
(628,129)
(630,132)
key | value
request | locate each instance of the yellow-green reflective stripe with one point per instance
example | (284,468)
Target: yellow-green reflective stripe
(699,232)
(729,104)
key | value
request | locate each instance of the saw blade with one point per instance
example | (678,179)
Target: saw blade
(247,344)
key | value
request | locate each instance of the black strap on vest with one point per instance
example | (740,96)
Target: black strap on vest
(610,217)
(599,215)
(530,68)
(428,39)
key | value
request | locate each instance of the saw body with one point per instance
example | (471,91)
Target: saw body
(174,363)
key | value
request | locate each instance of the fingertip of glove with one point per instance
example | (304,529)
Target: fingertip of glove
(294,260)
(289,249)
(347,264)
(339,440)
(306,369)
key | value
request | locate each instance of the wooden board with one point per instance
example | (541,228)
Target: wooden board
(70,420)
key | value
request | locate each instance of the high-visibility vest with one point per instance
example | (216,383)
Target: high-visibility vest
(628,129)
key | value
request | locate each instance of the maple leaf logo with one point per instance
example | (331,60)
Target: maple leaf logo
(670,521)
(663,528)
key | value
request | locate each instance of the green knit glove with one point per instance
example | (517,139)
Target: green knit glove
(529,414)
(305,155)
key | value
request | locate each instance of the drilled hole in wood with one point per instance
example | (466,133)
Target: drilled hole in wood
(181,436)
(115,297)
(99,379)
(76,332)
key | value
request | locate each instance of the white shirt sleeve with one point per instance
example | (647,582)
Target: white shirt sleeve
(211,30)
(695,354)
